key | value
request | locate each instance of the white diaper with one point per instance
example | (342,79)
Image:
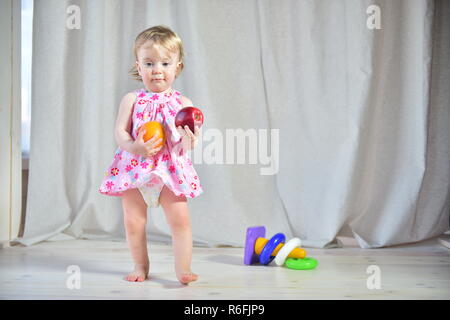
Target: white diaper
(151,192)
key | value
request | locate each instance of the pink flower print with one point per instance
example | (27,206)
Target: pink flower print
(140,115)
(180,181)
(155,161)
(144,165)
(141,95)
(178,100)
(192,195)
(154,97)
(165,157)
(195,177)
(114,171)
(134,162)
(189,162)
(136,176)
(181,152)
(109,184)
(193,186)
(172,113)
(168,94)
(177,93)
(142,101)
(128,168)
(125,184)
(172,169)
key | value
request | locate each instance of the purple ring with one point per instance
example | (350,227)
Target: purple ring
(265,256)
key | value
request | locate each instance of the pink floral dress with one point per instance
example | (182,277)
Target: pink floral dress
(171,166)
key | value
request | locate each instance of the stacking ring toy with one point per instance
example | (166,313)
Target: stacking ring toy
(301,264)
(259,249)
(265,256)
(255,242)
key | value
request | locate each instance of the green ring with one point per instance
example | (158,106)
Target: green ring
(301,264)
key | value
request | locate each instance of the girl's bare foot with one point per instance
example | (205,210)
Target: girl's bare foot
(139,274)
(187,277)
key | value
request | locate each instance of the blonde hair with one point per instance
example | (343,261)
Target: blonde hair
(162,36)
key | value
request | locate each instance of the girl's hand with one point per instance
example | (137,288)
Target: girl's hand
(146,149)
(188,139)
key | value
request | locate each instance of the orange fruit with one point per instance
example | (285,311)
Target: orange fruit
(153,128)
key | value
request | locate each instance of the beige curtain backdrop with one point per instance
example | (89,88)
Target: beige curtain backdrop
(363,117)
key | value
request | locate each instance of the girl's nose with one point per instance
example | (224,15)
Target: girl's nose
(157,68)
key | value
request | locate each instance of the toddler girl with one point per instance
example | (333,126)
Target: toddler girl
(144,173)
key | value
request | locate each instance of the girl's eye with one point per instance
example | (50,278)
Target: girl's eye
(165,64)
(149,64)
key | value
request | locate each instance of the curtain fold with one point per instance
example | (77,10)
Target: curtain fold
(362,117)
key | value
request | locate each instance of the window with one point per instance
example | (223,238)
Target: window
(26,48)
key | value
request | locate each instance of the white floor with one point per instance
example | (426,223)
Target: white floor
(42,271)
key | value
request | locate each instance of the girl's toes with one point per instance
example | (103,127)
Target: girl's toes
(185,278)
(130,278)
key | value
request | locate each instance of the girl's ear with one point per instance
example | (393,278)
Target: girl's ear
(179,68)
(138,68)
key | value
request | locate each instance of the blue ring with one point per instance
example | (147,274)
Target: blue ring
(265,256)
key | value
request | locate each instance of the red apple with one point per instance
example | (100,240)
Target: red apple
(189,116)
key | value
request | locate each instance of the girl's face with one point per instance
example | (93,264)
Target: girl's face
(157,66)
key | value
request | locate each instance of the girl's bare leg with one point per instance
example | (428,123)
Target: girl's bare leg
(135,220)
(177,216)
